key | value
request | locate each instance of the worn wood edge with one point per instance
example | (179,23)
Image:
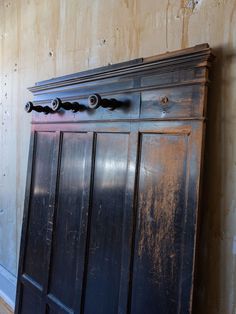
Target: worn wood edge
(201,55)
(31,157)
(5,308)
(85,73)
(179,52)
(137,120)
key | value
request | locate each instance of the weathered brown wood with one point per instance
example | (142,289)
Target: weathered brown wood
(5,308)
(112,197)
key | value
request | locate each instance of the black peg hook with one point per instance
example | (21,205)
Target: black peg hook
(95,101)
(57,104)
(31,107)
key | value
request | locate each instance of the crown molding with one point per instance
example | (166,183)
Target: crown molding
(197,56)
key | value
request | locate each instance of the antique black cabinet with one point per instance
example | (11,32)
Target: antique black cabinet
(112,197)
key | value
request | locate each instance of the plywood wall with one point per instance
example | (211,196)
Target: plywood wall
(40,39)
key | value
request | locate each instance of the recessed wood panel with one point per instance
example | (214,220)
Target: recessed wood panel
(174,102)
(66,261)
(31,302)
(160,221)
(106,228)
(35,265)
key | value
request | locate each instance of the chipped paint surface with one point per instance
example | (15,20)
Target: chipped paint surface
(44,39)
(161,172)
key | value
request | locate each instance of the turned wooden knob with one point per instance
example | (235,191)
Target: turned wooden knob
(94,101)
(164,100)
(29,106)
(56,104)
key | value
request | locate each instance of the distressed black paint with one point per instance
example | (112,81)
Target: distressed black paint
(112,195)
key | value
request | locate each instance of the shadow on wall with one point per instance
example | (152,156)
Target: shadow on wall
(212,264)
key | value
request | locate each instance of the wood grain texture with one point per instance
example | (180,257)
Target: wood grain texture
(44,39)
(112,202)
(161,199)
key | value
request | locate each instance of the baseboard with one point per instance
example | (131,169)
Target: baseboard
(7,290)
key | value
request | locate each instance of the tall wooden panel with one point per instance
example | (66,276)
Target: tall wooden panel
(162,205)
(111,208)
(70,217)
(107,212)
(42,180)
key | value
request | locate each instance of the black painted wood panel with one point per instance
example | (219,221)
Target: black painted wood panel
(112,198)
(31,302)
(34,265)
(107,223)
(72,204)
(160,220)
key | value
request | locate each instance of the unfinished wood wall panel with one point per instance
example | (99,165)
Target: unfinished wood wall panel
(42,39)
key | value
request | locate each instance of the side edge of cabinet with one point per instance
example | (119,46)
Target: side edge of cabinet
(199,217)
(193,210)
(31,158)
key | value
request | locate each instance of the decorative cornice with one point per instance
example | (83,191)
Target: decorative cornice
(197,56)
